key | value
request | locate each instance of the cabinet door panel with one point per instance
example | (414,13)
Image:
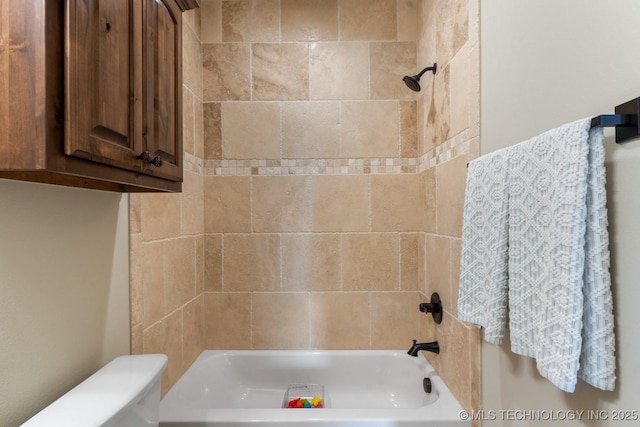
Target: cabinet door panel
(162,97)
(101,92)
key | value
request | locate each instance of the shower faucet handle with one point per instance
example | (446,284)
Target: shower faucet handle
(434,307)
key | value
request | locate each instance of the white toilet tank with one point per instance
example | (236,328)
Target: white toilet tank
(125,393)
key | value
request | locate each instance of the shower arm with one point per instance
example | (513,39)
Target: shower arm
(433,68)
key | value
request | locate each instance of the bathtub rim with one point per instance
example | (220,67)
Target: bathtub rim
(445,408)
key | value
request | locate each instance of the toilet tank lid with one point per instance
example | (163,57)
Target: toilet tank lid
(108,392)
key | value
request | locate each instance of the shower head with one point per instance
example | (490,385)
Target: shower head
(413,82)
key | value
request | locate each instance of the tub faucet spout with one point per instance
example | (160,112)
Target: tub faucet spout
(433,347)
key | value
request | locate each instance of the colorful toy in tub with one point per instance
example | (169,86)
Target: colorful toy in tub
(301,402)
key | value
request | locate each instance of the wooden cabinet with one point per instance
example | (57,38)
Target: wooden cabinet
(93,93)
(162,87)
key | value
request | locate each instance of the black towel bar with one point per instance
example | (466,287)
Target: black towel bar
(625,120)
(607,120)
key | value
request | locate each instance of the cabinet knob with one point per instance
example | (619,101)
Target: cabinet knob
(146,157)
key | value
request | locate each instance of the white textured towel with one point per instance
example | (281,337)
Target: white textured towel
(559,294)
(483,274)
(597,360)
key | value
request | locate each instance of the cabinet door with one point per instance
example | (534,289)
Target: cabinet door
(103,99)
(162,86)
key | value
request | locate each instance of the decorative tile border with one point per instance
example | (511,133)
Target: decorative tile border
(192,163)
(451,148)
(311,166)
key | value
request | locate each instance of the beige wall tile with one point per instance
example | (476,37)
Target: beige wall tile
(427,119)
(340,321)
(390,61)
(227,317)
(455,358)
(192,18)
(179,272)
(136,339)
(251,20)
(475,357)
(429,179)
(211,15)
(251,262)
(474,148)
(309,19)
(284,328)
(310,130)
(280,71)
(192,204)
(227,203)
(408,20)
(310,262)
(370,261)
(408,129)
(213,262)
(160,216)
(426,132)
(451,180)
(193,330)
(397,202)
(422,263)
(422,108)
(251,130)
(340,203)
(212,122)
(339,71)
(191,61)
(410,259)
(474,22)
(151,278)
(281,203)
(474,91)
(394,319)
(452,23)
(188,120)
(198,128)
(370,129)
(438,117)
(438,253)
(226,71)
(166,337)
(367,19)
(427,32)
(135,212)
(199,242)
(460,93)
(136,291)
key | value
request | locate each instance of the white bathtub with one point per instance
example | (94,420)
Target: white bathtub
(364,387)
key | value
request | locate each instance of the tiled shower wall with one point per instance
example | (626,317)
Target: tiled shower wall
(322,198)
(448,134)
(167,240)
(313,210)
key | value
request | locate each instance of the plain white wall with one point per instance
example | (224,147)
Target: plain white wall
(545,63)
(64,291)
